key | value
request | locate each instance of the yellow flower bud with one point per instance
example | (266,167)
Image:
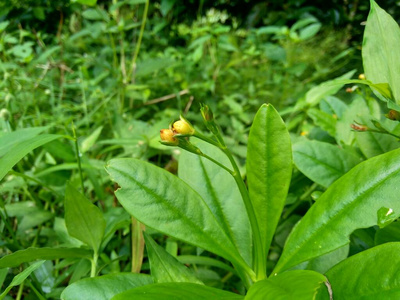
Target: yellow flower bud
(183,127)
(361,76)
(167,137)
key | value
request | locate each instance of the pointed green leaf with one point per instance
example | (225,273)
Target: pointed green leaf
(380,50)
(164,202)
(164,267)
(18,151)
(104,287)
(83,219)
(17,280)
(177,291)
(351,202)
(323,163)
(31,254)
(269,170)
(298,284)
(219,190)
(324,120)
(371,274)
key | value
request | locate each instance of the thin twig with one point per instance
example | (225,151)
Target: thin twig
(188,105)
(167,97)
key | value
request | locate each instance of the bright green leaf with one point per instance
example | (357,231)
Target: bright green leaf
(164,267)
(219,190)
(104,287)
(164,202)
(371,274)
(83,219)
(269,170)
(9,140)
(18,151)
(381,57)
(298,284)
(351,202)
(323,163)
(176,291)
(324,120)
(90,140)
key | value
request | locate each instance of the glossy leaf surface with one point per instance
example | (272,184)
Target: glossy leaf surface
(269,169)
(31,254)
(104,287)
(371,274)
(83,219)
(164,267)
(381,57)
(219,190)
(164,202)
(298,284)
(350,203)
(323,163)
(176,291)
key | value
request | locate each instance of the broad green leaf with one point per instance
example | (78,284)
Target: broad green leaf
(205,260)
(269,170)
(390,233)
(351,202)
(333,106)
(9,140)
(164,202)
(86,2)
(219,190)
(104,287)
(17,280)
(323,263)
(324,120)
(83,219)
(381,57)
(297,284)
(164,267)
(371,274)
(323,163)
(31,254)
(18,151)
(176,291)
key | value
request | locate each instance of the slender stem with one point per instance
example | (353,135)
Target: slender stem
(78,157)
(20,290)
(206,139)
(259,261)
(217,163)
(139,42)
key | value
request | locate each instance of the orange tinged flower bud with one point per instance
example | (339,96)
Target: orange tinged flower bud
(167,137)
(359,127)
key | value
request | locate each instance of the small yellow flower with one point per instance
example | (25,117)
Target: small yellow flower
(167,137)
(361,76)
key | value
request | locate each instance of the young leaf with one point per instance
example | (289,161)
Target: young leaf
(164,267)
(18,151)
(269,170)
(371,274)
(17,280)
(381,57)
(104,287)
(31,254)
(83,219)
(324,120)
(164,202)
(298,284)
(351,202)
(219,190)
(177,291)
(322,162)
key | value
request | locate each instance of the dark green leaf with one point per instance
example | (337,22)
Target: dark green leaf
(390,233)
(83,219)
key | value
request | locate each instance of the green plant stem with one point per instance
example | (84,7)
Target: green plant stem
(78,157)
(139,42)
(301,199)
(20,290)
(217,163)
(94,265)
(259,260)
(206,139)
